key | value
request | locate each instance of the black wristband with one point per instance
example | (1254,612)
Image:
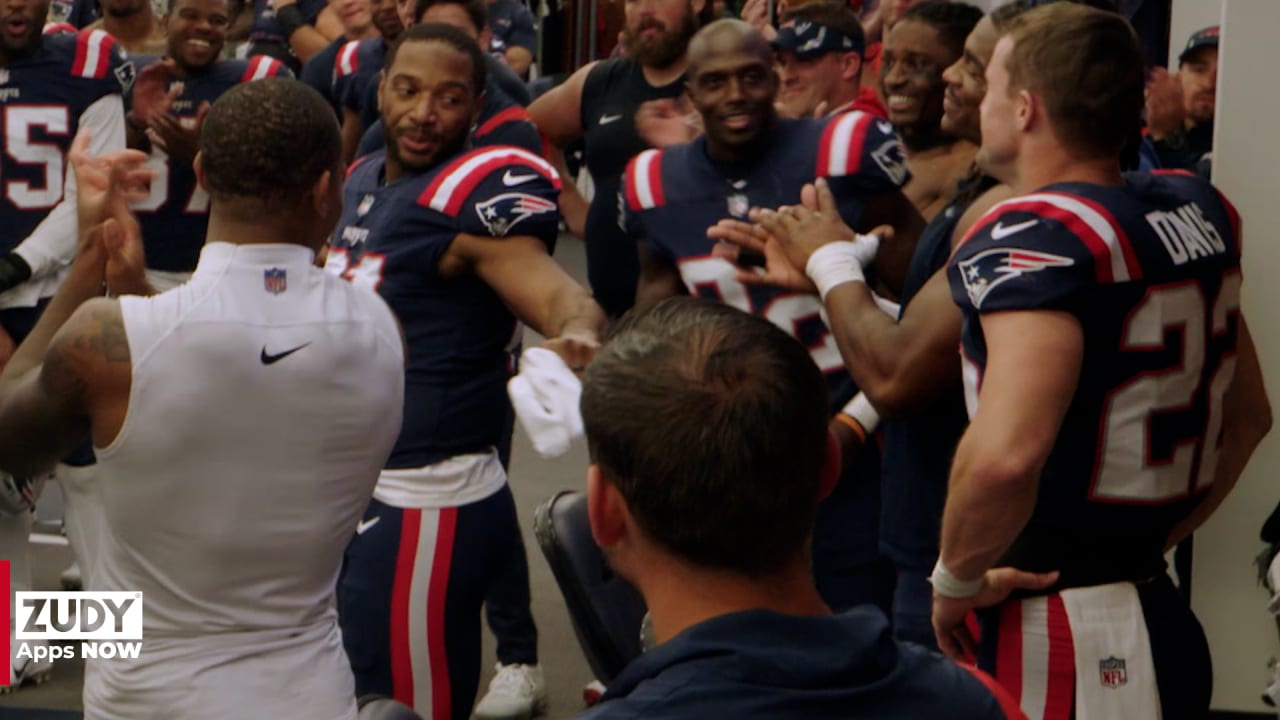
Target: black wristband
(290,19)
(13,271)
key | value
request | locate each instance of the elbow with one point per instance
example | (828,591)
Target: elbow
(889,396)
(1011,476)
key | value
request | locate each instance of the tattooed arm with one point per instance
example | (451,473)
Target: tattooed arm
(72,372)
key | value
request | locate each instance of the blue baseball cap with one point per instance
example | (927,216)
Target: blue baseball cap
(808,39)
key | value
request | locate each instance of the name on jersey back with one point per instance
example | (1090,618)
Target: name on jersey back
(1186,233)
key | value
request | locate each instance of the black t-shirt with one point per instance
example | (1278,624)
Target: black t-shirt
(612,93)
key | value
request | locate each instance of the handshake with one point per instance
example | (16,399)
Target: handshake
(805,247)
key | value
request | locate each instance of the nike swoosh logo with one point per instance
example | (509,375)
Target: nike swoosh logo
(366,524)
(1001,231)
(606,119)
(511,180)
(269,359)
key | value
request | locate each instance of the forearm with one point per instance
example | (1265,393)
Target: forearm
(988,503)
(572,311)
(870,343)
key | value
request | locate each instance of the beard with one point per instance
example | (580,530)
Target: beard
(666,48)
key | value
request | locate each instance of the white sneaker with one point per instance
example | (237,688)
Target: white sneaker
(71,579)
(517,692)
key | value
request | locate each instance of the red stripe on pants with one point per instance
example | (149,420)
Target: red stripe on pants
(437,596)
(401,661)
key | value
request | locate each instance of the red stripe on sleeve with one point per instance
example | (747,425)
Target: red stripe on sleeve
(511,114)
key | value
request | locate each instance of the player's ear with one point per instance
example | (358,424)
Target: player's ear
(321,198)
(850,66)
(605,509)
(831,463)
(1030,110)
(198,165)
(382,87)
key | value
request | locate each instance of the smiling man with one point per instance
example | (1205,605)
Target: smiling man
(750,157)
(169,104)
(926,41)
(457,242)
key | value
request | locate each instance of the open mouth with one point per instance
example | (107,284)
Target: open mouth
(900,103)
(16,26)
(738,121)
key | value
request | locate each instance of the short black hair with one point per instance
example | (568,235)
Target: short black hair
(712,424)
(476,10)
(271,138)
(449,35)
(832,13)
(953,21)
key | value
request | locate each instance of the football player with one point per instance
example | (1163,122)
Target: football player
(169,102)
(356,71)
(457,243)
(1114,390)
(50,88)
(503,120)
(749,157)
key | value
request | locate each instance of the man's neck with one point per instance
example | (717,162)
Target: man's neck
(131,29)
(1060,165)
(364,33)
(843,99)
(925,143)
(658,77)
(254,229)
(680,596)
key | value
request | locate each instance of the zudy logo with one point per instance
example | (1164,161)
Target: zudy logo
(107,624)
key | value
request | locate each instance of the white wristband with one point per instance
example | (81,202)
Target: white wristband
(834,264)
(860,409)
(950,586)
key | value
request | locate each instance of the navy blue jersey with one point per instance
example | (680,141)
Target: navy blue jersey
(355,72)
(511,25)
(266,29)
(672,196)
(501,122)
(1151,269)
(42,97)
(175,216)
(318,72)
(391,238)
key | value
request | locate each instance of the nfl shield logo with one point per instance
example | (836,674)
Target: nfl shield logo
(1112,672)
(4,76)
(362,209)
(274,280)
(739,205)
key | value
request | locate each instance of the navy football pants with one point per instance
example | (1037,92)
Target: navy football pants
(410,595)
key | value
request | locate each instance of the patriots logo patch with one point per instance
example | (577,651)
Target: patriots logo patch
(986,270)
(892,161)
(125,75)
(503,212)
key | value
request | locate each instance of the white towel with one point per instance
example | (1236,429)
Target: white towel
(545,395)
(1115,675)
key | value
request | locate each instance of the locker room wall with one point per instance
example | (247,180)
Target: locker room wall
(1225,591)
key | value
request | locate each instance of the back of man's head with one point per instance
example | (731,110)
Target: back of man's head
(712,425)
(1088,66)
(270,139)
(953,21)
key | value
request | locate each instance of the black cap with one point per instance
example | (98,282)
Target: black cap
(1207,37)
